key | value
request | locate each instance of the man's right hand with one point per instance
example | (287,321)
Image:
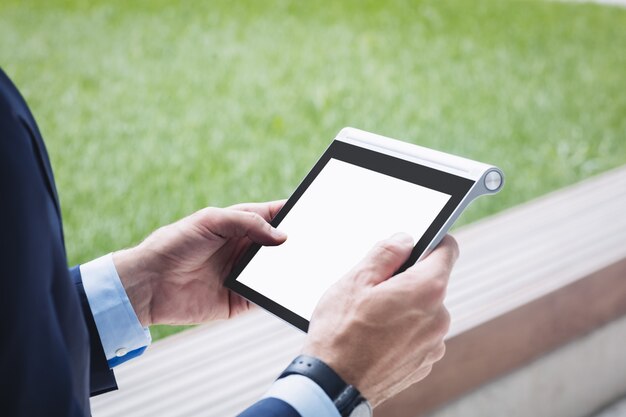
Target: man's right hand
(382,334)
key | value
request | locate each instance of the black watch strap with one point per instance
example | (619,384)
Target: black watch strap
(346,397)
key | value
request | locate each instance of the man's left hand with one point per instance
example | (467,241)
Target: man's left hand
(176,275)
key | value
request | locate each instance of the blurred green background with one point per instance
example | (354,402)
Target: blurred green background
(153,109)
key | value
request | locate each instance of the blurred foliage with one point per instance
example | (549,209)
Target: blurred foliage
(153,109)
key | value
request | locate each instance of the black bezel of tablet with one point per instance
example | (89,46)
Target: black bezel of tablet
(457,187)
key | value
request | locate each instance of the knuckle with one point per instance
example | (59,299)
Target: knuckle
(438,290)
(439,352)
(387,248)
(364,272)
(443,318)
(429,294)
(442,323)
(204,216)
(432,294)
(443,348)
(421,373)
(207,211)
(425,371)
(255,218)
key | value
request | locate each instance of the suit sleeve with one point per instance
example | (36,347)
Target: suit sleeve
(45,350)
(270,407)
(102,378)
(294,395)
(38,375)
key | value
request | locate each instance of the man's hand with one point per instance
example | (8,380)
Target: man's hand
(176,275)
(383,334)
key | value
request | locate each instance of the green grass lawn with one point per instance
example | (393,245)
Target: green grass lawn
(153,109)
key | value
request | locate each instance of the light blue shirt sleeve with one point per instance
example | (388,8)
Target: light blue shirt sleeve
(122,335)
(304,395)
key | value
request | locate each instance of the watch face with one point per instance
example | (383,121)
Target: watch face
(362,410)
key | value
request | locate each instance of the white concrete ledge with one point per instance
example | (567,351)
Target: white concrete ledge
(573,381)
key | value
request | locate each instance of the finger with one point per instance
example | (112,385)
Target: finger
(436,354)
(437,265)
(419,374)
(442,258)
(425,284)
(238,305)
(267,210)
(228,223)
(385,258)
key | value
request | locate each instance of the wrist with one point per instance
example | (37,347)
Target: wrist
(137,279)
(346,398)
(350,371)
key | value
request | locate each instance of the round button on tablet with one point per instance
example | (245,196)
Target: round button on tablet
(493,180)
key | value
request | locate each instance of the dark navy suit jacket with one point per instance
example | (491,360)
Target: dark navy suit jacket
(51,358)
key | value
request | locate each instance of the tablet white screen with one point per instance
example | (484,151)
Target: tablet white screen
(343,213)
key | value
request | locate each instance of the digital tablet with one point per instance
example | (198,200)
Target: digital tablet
(363,189)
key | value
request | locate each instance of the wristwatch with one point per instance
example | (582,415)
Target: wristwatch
(346,398)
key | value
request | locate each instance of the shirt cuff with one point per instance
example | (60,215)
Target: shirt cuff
(304,395)
(120,331)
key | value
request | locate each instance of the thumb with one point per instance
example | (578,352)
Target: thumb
(385,258)
(228,223)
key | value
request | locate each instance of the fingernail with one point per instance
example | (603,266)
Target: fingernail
(278,234)
(403,238)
